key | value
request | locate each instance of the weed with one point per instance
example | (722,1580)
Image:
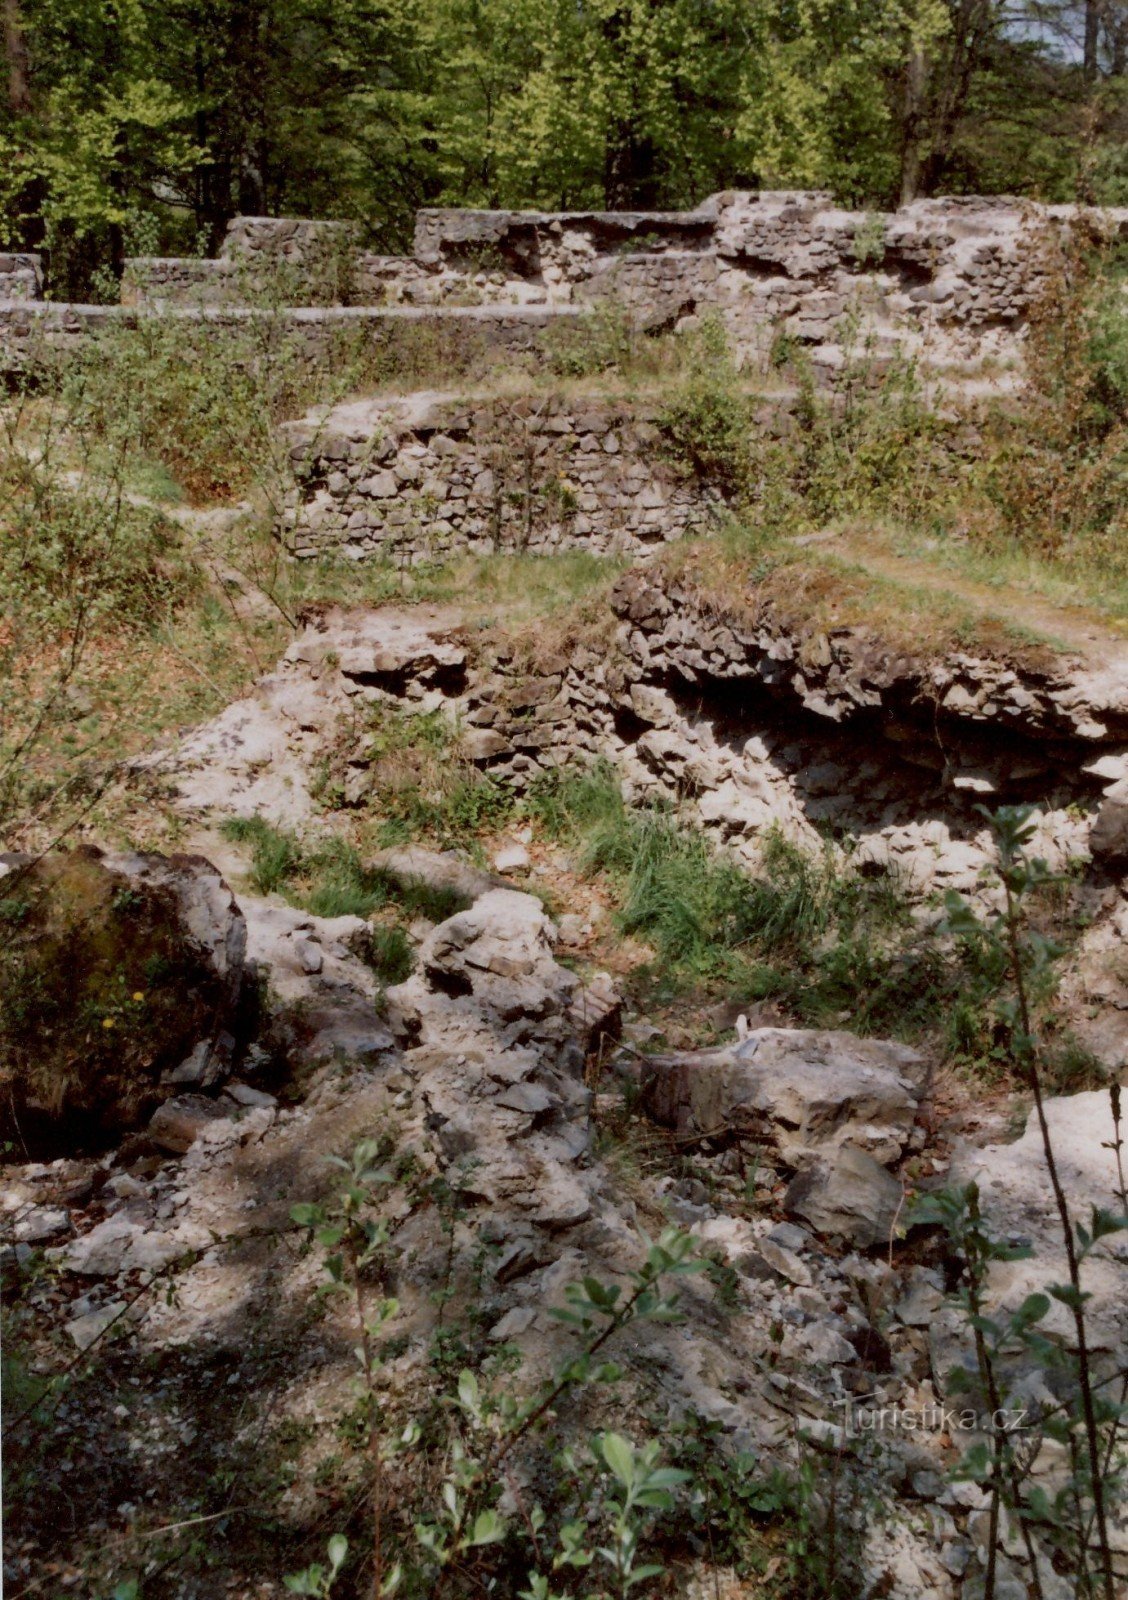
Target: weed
(275,855)
(329,879)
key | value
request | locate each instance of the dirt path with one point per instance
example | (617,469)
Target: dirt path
(1100,642)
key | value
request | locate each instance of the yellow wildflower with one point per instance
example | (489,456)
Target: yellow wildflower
(107,1022)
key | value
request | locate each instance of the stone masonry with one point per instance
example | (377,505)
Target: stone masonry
(950,281)
(417,479)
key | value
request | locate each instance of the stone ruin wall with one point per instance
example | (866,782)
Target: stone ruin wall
(951,280)
(748,722)
(948,280)
(420,479)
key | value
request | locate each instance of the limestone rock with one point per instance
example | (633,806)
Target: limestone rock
(1016,1198)
(847,1196)
(494,966)
(810,1091)
(118,981)
(444,872)
(1108,841)
(178,1123)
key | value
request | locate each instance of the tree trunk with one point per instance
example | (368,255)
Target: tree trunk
(971,33)
(15,48)
(915,77)
(1093,9)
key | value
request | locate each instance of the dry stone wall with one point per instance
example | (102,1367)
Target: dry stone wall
(420,479)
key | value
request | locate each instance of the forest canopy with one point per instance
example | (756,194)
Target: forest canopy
(143,126)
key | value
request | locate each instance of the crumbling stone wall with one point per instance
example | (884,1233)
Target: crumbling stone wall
(21,277)
(948,281)
(419,479)
(749,724)
(290,260)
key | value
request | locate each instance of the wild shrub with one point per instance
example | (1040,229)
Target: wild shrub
(870,443)
(1056,468)
(598,340)
(707,417)
(200,399)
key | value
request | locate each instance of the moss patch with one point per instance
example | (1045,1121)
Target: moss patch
(100,993)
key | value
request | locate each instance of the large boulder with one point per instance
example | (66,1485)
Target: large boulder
(805,1090)
(119,979)
(1016,1198)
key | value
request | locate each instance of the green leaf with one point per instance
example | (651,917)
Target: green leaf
(640,1574)
(619,1456)
(338,1550)
(469,1395)
(1069,1296)
(488,1529)
(307,1216)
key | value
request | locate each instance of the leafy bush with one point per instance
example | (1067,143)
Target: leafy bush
(707,418)
(596,341)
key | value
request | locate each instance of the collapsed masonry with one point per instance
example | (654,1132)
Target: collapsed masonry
(950,281)
(746,722)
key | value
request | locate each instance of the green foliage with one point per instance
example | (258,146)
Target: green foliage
(143,130)
(600,339)
(870,444)
(1084,1420)
(318,1580)
(823,939)
(199,404)
(484,1422)
(707,417)
(275,855)
(329,879)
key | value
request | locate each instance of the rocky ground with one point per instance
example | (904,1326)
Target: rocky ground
(180,1409)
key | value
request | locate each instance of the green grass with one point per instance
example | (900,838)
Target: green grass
(329,879)
(832,946)
(518,586)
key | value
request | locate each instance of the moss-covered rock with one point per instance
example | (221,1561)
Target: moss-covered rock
(119,976)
